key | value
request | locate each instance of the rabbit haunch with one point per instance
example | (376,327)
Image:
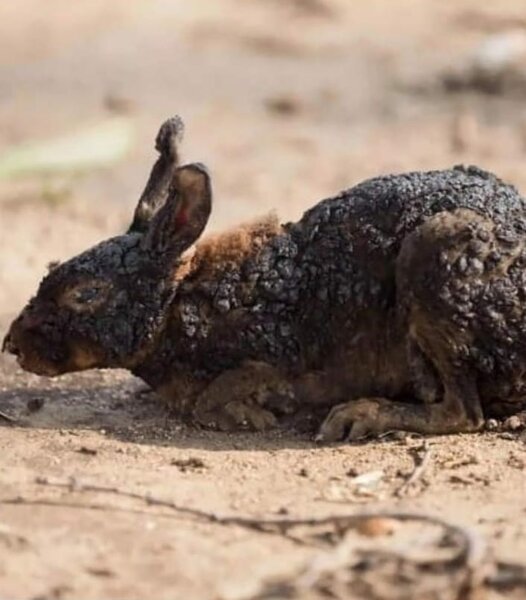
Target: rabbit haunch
(398,304)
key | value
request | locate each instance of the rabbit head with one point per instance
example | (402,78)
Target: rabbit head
(104,307)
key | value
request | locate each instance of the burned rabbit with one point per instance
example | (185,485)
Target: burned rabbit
(397,304)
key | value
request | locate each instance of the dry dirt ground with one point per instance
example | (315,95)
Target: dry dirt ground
(287,102)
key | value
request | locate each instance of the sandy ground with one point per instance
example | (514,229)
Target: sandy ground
(287,102)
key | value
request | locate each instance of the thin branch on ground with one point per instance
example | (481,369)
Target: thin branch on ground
(21,500)
(506,576)
(8,418)
(468,554)
(180,511)
(470,548)
(422,462)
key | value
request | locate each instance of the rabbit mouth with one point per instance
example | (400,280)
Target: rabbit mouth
(26,357)
(38,354)
(36,366)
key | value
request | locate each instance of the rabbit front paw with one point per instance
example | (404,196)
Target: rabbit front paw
(234,416)
(353,420)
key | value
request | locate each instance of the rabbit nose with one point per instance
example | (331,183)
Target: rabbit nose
(29,319)
(9,346)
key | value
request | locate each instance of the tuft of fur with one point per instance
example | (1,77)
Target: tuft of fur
(226,250)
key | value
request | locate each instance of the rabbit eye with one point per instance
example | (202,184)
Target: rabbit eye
(87,296)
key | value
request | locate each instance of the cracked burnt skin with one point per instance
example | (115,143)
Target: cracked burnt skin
(85,313)
(397,304)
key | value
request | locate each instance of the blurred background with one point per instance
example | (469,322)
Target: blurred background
(286,101)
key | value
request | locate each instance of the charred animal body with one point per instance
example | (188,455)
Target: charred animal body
(397,304)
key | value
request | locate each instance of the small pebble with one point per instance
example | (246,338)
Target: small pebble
(283,105)
(189,464)
(377,526)
(86,450)
(513,423)
(491,425)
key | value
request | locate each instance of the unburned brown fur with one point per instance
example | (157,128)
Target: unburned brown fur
(217,252)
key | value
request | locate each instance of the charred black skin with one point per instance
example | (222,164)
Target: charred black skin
(398,304)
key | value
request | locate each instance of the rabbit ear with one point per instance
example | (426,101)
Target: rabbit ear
(162,175)
(182,219)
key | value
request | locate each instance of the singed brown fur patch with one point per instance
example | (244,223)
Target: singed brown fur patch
(83,357)
(216,252)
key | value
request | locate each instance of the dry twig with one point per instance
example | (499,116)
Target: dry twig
(7,417)
(421,463)
(466,558)
(470,548)
(507,576)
